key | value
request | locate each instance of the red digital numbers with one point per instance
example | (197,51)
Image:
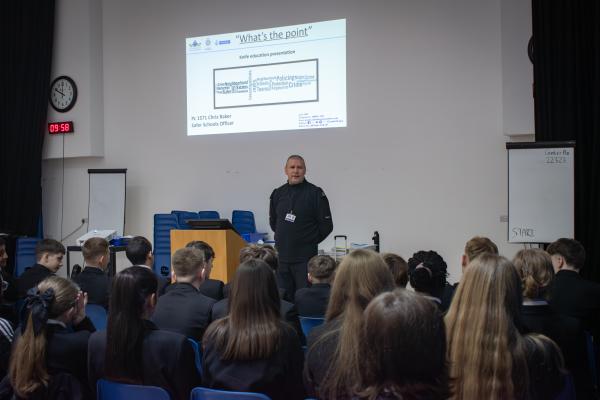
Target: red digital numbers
(60,127)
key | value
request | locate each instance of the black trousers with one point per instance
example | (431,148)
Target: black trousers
(292,276)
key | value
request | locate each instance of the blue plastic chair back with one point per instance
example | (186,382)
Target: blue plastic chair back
(308,323)
(201,393)
(198,354)
(183,216)
(40,227)
(208,215)
(109,390)
(163,224)
(25,254)
(243,221)
(593,365)
(97,314)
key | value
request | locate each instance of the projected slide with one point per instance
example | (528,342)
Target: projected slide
(291,77)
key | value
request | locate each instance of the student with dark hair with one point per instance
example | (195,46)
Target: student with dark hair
(252,349)
(264,252)
(402,350)
(183,308)
(11,293)
(53,341)
(267,254)
(547,371)
(570,293)
(132,349)
(573,297)
(139,253)
(427,272)
(93,279)
(312,301)
(398,267)
(212,288)
(6,338)
(49,254)
(332,365)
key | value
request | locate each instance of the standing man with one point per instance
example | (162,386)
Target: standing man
(300,217)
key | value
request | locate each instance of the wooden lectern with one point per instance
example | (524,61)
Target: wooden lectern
(225,242)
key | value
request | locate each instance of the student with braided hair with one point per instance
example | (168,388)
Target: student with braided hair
(427,272)
(51,348)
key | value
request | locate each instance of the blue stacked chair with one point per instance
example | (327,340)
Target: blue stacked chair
(309,323)
(243,221)
(183,216)
(208,215)
(163,223)
(97,314)
(25,254)
(201,393)
(197,354)
(109,390)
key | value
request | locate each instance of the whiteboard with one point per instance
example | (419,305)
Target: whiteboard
(541,182)
(106,206)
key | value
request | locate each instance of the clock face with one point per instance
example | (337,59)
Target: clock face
(63,93)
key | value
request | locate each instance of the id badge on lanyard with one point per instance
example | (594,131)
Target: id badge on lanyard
(290,217)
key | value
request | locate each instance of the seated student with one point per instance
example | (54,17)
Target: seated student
(402,349)
(10,294)
(6,338)
(93,279)
(546,367)
(139,253)
(212,288)
(535,269)
(332,367)
(398,267)
(251,349)
(487,353)
(312,301)
(49,254)
(183,308)
(53,339)
(427,272)
(577,298)
(132,349)
(571,294)
(474,247)
(264,252)
(267,254)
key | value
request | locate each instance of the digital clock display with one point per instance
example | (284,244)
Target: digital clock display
(55,128)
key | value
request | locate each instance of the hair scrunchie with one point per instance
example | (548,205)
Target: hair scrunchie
(37,304)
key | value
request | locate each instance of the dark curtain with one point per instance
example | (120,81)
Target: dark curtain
(26,33)
(566,39)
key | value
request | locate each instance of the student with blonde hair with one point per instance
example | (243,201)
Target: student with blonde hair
(53,346)
(332,363)
(485,349)
(535,270)
(475,247)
